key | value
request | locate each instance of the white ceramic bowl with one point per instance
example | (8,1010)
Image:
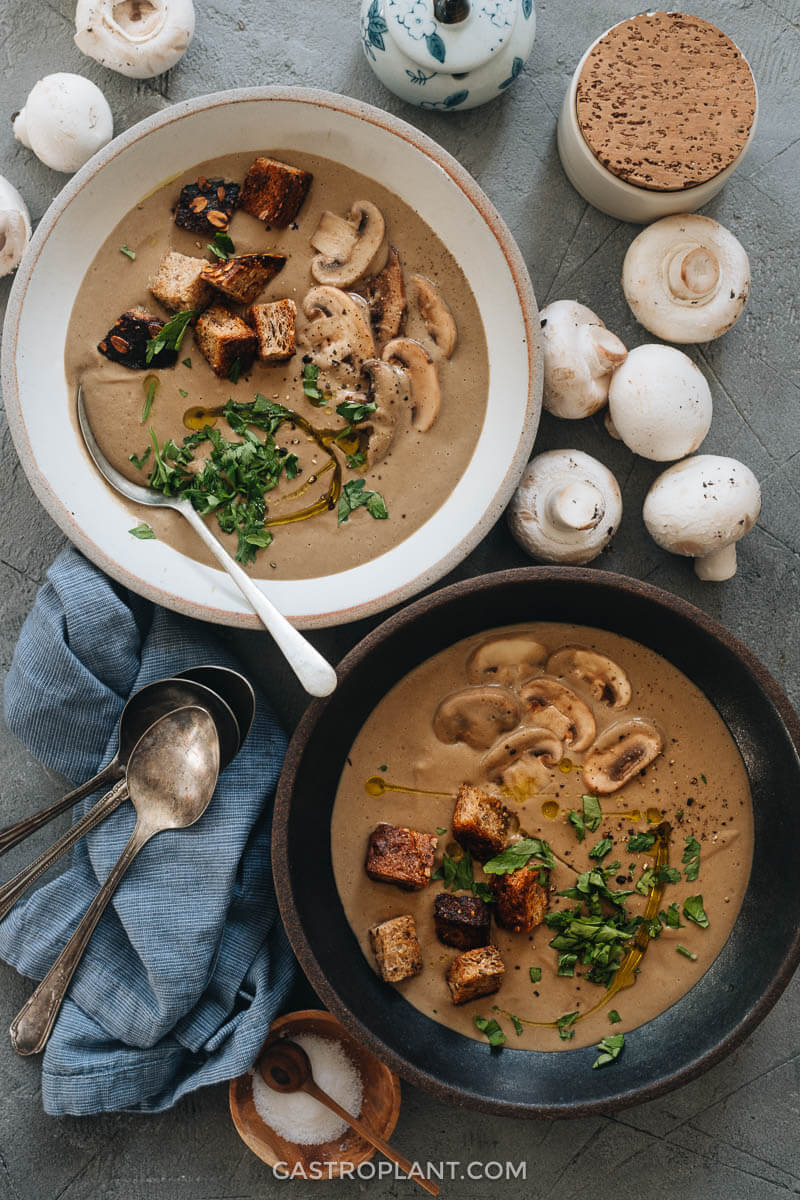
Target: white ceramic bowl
(388,150)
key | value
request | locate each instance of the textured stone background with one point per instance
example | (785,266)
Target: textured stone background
(734,1132)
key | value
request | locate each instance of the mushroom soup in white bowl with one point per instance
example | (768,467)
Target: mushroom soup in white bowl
(442,486)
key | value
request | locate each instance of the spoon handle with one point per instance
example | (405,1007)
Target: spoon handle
(11,835)
(10,892)
(31,1027)
(314,672)
(313,1090)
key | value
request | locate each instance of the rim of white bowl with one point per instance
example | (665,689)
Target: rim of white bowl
(490,216)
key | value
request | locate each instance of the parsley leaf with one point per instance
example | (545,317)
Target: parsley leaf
(518,854)
(126,250)
(566,965)
(578,823)
(236,370)
(668,875)
(456,872)
(354,495)
(139,460)
(187,362)
(356,460)
(686,953)
(222,246)
(602,848)
(646,882)
(482,891)
(671,917)
(310,389)
(171,335)
(518,1026)
(691,859)
(150,392)
(440,830)
(564,1023)
(535,974)
(143,532)
(641,841)
(491,1029)
(592,812)
(693,911)
(614,1016)
(353,412)
(610,1049)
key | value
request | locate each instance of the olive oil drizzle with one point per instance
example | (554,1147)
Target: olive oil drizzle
(375,786)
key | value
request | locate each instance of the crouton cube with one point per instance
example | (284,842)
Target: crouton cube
(480,822)
(126,341)
(224,339)
(243,276)
(275,327)
(475,973)
(179,282)
(396,948)
(206,206)
(400,856)
(520,900)
(274,192)
(461,921)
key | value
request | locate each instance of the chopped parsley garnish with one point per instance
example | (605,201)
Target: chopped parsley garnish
(183,392)
(143,532)
(518,854)
(668,875)
(139,460)
(646,882)
(149,398)
(596,937)
(310,389)
(222,246)
(686,953)
(614,1016)
(691,859)
(577,822)
(518,1026)
(641,841)
(483,892)
(671,917)
(235,371)
(440,831)
(171,335)
(354,495)
(456,873)
(693,911)
(566,965)
(704,779)
(126,250)
(535,974)
(384,767)
(356,460)
(187,362)
(592,813)
(353,412)
(491,1029)
(564,1025)
(610,1049)
(602,848)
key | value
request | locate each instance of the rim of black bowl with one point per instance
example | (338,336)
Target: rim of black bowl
(733,995)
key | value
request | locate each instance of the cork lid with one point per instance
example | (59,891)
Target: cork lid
(665,101)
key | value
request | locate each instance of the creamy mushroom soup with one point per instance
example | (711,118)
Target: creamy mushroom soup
(594,768)
(360,433)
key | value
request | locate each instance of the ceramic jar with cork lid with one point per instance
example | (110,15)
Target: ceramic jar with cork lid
(659,114)
(447,54)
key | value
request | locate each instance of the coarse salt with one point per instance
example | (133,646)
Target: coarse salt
(300,1118)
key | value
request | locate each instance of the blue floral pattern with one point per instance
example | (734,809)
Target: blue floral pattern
(374,28)
(417,21)
(516,67)
(451,101)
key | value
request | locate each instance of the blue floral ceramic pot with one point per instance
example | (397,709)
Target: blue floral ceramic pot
(447,54)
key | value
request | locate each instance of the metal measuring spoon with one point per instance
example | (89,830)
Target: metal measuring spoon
(171,776)
(173,694)
(313,671)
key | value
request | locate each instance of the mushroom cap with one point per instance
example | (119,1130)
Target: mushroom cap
(505,659)
(66,119)
(686,278)
(15,227)
(566,508)
(543,692)
(579,357)
(350,259)
(389,389)
(338,333)
(525,755)
(622,751)
(136,39)
(476,716)
(439,321)
(701,505)
(606,679)
(660,403)
(426,395)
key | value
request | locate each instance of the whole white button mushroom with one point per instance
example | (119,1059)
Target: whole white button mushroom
(15,227)
(566,508)
(686,278)
(701,508)
(66,119)
(659,403)
(138,38)
(579,356)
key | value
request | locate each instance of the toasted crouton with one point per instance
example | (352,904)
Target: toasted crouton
(274,192)
(401,856)
(396,948)
(520,900)
(223,339)
(179,282)
(461,921)
(243,276)
(480,822)
(126,341)
(206,206)
(275,326)
(476,973)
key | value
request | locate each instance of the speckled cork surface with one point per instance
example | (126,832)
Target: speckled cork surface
(666,101)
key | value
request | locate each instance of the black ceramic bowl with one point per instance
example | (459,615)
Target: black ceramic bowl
(736,992)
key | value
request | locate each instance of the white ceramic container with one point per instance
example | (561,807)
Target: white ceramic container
(41,412)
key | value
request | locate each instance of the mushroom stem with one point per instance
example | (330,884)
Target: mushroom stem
(605,351)
(693,274)
(717,566)
(578,505)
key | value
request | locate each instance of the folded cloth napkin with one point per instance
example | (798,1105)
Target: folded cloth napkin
(190,962)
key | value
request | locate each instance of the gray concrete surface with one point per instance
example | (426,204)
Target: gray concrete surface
(734,1132)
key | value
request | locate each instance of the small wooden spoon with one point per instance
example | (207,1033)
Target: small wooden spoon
(285,1067)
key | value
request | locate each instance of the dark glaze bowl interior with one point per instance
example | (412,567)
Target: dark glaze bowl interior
(741,985)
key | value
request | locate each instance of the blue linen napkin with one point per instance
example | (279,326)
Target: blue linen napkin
(189,963)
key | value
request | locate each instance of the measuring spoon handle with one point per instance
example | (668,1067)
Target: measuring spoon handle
(314,672)
(31,1027)
(10,892)
(11,835)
